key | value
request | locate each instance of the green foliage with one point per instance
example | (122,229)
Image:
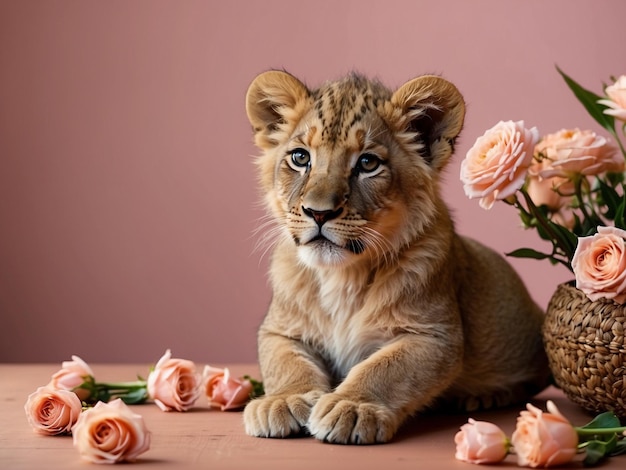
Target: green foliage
(257,387)
(601,437)
(590,101)
(603,203)
(528,253)
(131,393)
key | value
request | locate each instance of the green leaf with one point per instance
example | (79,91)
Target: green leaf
(620,448)
(257,387)
(527,253)
(603,420)
(619,220)
(570,239)
(543,233)
(102,395)
(595,451)
(590,101)
(615,178)
(577,228)
(134,397)
(610,198)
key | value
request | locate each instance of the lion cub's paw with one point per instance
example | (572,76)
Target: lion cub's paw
(338,420)
(279,415)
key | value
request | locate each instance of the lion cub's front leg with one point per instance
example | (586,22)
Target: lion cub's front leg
(382,391)
(293,382)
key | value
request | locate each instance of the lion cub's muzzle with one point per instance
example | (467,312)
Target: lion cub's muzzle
(324,235)
(321,217)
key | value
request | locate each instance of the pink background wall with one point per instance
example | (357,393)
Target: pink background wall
(127,192)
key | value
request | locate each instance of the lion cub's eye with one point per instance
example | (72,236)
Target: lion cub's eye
(300,158)
(368,163)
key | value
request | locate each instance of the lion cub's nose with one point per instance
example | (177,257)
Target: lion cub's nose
(321,217)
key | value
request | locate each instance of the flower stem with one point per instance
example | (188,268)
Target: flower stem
(121,385)
(597,431)
(557,238)
(133,392)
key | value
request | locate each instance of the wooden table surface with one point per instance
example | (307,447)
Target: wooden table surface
(212,439)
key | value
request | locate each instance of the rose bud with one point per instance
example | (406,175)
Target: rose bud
(616,99)
(224,391)
(481,442)
(71,376)
(174,384)
(544,439)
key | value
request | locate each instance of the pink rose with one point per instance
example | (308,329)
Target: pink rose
(72,374)
(174,384)
(572,152)
(547,191)
(224,391)
(555,193)
(616,101)
(496,165)
(599,264)
(51,411)
(481,442)
(110,433)
(544,439)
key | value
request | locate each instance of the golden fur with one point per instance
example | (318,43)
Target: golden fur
(379,309)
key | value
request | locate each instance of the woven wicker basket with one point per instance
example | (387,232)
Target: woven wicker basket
(585,344)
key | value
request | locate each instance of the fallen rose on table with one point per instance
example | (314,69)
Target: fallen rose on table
(104,428)
(174,384)
(541,439)
(228,393)
(110,433)
(51,411)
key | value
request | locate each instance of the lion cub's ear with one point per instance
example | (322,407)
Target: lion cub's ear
(274,98)
(433,109)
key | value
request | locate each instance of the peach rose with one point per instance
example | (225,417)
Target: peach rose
(616,101)
(224,391)
(51,411)
(555,193)
(572,152)
(481,442)
(542,192)
(72,375)
(544,439)
(174,384)
(496,165)
(599,264)
(547,191)
(110,433)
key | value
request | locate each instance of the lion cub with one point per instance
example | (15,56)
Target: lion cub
(379,309)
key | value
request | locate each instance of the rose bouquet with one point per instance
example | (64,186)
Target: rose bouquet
(568,186)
